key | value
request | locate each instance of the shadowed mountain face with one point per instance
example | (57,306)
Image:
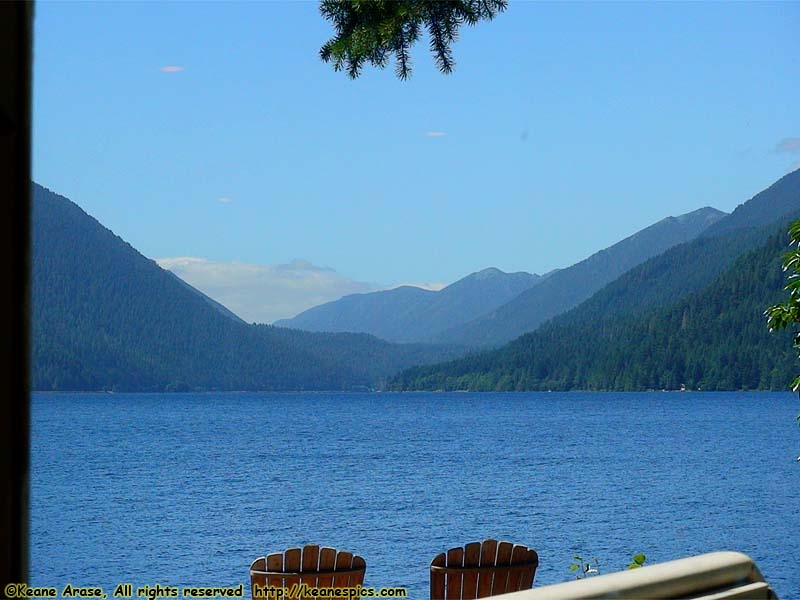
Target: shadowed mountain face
(765,208)
(714,339)
(490,307)
(569,287)
(106,318)
(692,315)
(409,314)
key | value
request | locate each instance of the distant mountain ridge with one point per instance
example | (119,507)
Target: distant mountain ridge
(764,208)
(570,286)
(104,317)
(714,339)
(411,314)
(692,315)
(491,307)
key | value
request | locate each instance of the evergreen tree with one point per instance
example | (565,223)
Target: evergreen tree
(371,31)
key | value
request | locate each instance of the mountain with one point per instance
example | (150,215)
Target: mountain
(569,287)
(692,316)
(104,317)
(764,208)
(213,303)
(410,314)
(715,339)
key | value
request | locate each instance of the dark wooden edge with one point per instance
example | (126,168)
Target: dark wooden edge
(495,568)
(439,558)
(16,35)
(299,573)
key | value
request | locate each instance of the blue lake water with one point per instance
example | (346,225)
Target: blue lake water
(187,489)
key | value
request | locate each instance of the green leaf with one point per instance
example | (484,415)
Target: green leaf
(574,567)
(780,316)
(639,558)
(634,565)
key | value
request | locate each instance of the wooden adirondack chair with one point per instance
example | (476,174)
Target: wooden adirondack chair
(482,569)
(316,567)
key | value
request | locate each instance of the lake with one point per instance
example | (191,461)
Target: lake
(187,489)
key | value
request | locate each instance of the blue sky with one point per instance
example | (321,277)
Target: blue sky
(565,127)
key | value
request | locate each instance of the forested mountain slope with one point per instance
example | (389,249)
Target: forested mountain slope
(106,317)
(715,338)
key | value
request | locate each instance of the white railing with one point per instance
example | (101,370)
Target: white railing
(714,576)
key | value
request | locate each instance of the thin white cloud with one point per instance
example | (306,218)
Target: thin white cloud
(224,200)
(171,69)
(434,287)
(264,293)
(791,145)
(435,134)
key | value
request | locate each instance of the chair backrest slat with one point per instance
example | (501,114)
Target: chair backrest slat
(344,562)
(519,555)
(455,558)
(258,573)
(311,565)
(472,558)
(531,562)
(292,559)
(500,584)
(327,562)
(482,569)
(360,568)
(275,565)
(488,559)
(437,577)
